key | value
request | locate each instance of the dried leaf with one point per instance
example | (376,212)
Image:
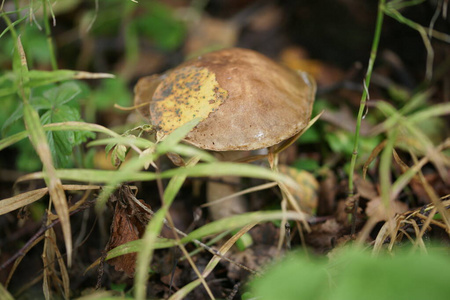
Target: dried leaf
(122,231)
(9,204)
(187,93)
(378,210)
(307,193)
(128,225)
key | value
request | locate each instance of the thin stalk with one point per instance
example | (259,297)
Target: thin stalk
(364,97)
(48,33)
(10,25)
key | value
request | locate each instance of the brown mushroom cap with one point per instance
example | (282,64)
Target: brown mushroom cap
(254,102)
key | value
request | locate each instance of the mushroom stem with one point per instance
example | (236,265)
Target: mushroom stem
(225,186)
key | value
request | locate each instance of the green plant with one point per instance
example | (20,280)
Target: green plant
(392,9)
(355,274)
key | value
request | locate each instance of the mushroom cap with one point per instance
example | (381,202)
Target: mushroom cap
(251,101)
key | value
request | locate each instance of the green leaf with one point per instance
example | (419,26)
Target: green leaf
(27,160)
(357,275)
(77,126)
(62,142)
(16,115)
(40,78)
(63,93)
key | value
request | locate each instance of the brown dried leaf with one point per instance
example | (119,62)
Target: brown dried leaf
(365,188)
(376,209)
(176,159)
(123,231)
(9,204)
(323,236)
(128,225)
(306,194)
(173,278)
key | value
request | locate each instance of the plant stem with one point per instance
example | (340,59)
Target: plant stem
(364,97)
(9,25)
(48,33)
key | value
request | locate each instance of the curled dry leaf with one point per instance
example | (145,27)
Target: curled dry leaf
(378,210)
(128,225)
(307,194)
(375,207)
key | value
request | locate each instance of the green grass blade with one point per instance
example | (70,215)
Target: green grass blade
(69,126)
(151,234)
(39,141)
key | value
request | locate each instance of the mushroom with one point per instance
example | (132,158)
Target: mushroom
(246,102)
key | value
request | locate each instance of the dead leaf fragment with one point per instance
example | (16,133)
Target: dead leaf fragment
(307,195)
(123,231)
(378,210)
(185,94)
(128,225)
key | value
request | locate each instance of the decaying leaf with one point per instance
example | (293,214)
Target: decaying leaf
(128,224)
(378,210)
(306,196)
(324,236)
(185,94)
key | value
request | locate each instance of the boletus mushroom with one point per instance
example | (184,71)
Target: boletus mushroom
(246,102)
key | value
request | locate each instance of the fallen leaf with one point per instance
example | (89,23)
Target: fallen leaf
(307,195)
(378,210)
(183,95)
(128,225)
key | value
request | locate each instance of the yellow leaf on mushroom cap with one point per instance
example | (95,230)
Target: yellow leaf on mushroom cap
(185,94)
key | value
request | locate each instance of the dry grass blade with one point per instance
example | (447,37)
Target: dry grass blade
(435,200)
(63,270)
(373,155)
(188,257)
(88,75)
(425,226)
(407,219)
(48,256)
(243,192)
(181,294)
(224,249)
(19,259)
(404,179)
(9,204)
(40,144)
